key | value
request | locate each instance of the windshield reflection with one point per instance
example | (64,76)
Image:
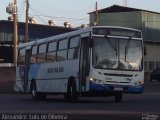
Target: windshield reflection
(113,53)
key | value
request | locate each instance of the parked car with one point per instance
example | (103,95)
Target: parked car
(155,75)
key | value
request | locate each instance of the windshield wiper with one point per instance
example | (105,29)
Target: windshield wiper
(127,47)
(111,44)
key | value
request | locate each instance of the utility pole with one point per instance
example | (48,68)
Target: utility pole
(27,18)
(12,9)
(15,34)
(96,19)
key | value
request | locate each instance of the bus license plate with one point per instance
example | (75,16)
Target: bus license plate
(118,88)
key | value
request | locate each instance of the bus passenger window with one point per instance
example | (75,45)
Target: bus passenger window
(62,50)
(73,51)
(63,44)
(51,56)
(61,55)
(41,53)
(74,42)
(51,53)
(34,55)
(52,46)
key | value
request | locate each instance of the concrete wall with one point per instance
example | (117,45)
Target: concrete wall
(7,79)
(151,26)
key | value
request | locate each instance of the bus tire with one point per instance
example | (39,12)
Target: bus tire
(71,94)
(36,95)
(118,97)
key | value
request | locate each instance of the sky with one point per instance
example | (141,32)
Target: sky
(73,11)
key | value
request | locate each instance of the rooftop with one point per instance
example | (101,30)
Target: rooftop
(36,25)
(118,8)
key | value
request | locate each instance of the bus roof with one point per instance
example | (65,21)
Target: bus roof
(68,34)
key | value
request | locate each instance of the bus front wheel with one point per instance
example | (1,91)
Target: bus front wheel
(71,94)
(118,97)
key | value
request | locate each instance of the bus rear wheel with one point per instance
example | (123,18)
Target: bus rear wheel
(71,94)
(118,97)
(36,95)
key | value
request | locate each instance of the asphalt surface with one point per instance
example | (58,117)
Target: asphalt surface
(144,106)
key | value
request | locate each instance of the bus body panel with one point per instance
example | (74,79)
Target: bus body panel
(54,77)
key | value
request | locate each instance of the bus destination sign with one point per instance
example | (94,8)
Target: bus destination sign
(117,32)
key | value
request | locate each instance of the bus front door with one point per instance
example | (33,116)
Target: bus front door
(84,63)
(26,69)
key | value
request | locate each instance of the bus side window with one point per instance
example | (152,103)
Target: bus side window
(41,58)
(51,52)
(21,56)
(34,55)
(73,51)
(62,50)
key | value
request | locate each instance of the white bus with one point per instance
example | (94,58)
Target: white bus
(96,61)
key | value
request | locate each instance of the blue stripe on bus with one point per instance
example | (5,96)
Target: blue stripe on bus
(110,88)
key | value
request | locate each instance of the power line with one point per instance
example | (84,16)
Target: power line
(21,10)
(41,16)
(60,9)
(76,19)
(38,15)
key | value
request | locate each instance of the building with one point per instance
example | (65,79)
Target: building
(147,21)
(36,31)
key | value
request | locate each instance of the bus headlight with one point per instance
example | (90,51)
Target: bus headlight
(96,81)
(91,79)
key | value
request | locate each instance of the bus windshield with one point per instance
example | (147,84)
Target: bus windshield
(117,53)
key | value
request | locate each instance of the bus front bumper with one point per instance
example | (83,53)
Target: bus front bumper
(116,88)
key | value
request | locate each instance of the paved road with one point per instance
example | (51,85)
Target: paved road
(133,106)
